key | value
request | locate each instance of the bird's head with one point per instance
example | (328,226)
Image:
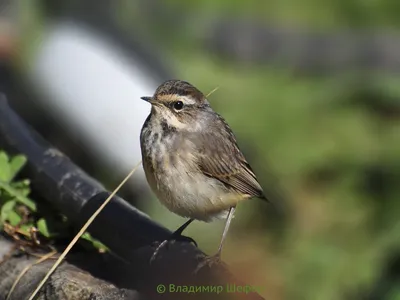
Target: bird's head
(178,103)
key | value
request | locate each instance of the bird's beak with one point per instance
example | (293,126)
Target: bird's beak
(148,99)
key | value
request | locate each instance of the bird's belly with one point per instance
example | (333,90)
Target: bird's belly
(174,176)
(193,195)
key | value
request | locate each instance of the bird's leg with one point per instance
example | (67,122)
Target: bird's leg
(210,260)
(175,236)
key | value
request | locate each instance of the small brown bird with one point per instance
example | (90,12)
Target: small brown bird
(191,159)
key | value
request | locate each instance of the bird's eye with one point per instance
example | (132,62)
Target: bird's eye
(178,105)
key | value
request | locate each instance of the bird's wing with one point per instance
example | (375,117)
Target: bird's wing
(222,159)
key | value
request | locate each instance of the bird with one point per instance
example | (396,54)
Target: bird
(192,160)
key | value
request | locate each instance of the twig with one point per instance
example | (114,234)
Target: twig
(83,229)
(212,91)
(26,269)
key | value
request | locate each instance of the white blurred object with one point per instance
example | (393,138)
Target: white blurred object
(94,89)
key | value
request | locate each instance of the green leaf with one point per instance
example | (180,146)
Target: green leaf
(99,245)
(14,218)
(26,228)
(87,236)
(22,187)
(6,209)
(4,167)
(43,228)
(96,243)
(18,195)
(16,164)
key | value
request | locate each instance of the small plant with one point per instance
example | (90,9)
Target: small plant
(19,215)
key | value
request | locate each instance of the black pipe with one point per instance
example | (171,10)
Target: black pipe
(70,189)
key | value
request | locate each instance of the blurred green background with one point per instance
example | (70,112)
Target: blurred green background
(330,141)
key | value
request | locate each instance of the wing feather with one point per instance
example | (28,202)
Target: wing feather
(221,158)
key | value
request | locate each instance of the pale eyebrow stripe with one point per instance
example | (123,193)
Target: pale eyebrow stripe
(176,97)
(188,100)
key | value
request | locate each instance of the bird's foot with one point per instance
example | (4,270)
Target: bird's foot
(209,261)
(171,240)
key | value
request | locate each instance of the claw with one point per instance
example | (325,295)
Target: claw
(208,261)
(159,247)
(171,240)
(187,239)
(155,244)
